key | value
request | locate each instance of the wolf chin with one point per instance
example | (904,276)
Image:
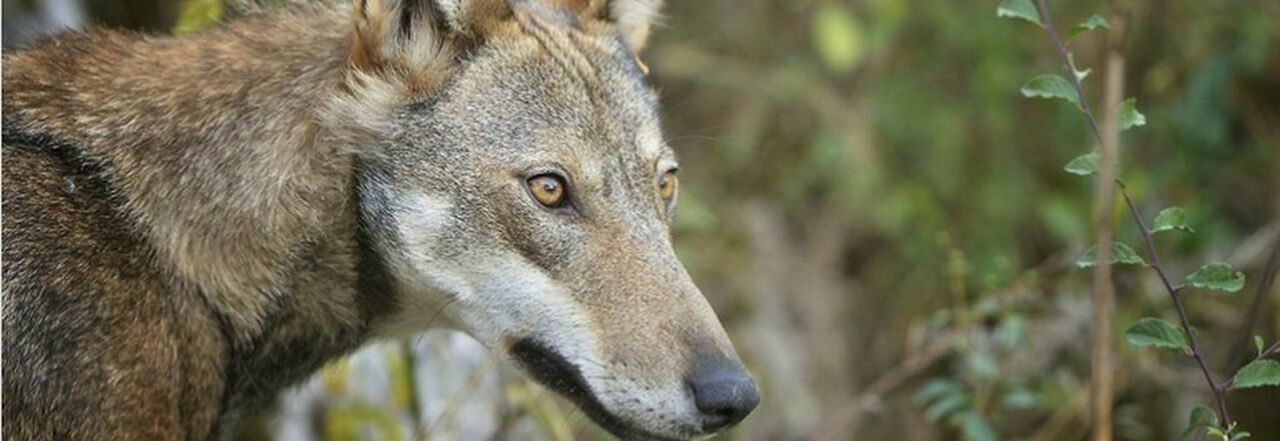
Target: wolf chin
(192,224)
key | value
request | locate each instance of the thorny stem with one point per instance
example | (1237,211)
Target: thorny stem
(1219,390)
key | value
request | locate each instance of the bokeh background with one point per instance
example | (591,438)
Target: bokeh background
(883,223)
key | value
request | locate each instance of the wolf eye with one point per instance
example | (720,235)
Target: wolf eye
(667,184)
(548,190)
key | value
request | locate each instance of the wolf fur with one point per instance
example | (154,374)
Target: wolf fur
(192,224)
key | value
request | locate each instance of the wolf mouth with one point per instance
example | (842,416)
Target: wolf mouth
(555,372)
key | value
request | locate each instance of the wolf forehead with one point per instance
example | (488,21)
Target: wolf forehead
(528,88)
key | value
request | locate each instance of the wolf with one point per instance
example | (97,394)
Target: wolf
(193,224)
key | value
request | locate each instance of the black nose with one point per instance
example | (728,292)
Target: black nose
(723,392)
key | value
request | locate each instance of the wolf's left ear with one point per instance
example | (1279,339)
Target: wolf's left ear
(417,34)
(633,18)
(403,35)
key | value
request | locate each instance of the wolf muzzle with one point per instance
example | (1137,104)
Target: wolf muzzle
(722,390)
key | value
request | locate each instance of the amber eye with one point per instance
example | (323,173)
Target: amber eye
(667,185)
(548,190)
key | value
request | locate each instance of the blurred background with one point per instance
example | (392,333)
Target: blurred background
(882,222)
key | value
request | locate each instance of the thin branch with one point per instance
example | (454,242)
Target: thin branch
(1066,58)
(1102,380)
(1269,351)
(1255,307)
(1104,213)
(1218,391)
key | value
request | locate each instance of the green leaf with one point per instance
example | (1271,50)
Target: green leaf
(1120,254)
(1020,399)
(1217,277)
(1257,374)
(936,389)
(1200,417)
(946,406)
(1258,344)
(1156,333)
(981,365)
(1094,22)
(1130,117)
(837,37)
(1020,9)
(1050,86)
(975,427)
(1083,165)
(1237,436)
(1172,218)
(1080,74)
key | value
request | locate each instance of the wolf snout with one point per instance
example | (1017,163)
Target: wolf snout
(723,393)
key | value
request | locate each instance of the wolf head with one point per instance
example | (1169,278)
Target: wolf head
(522,191)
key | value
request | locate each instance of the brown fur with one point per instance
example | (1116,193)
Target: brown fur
(215,200)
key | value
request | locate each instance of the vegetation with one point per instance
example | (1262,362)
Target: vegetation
(1147,332)
(903,246)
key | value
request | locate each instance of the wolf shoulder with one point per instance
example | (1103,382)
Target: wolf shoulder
(79,335)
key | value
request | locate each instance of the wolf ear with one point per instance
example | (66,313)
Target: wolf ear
(411,35)
(633,18)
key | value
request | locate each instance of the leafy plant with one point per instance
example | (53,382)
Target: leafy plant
(1149,331)
(949,400)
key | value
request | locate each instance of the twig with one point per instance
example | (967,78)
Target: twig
(1075,80)
(1102,380)
(1255,306)
(1104,306)
(1275,346)
(411,378)
(1218,390)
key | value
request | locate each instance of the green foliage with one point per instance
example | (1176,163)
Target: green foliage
(942,397)
(1260,373)
(1172,218)
(1019,9)
(1201,417)
(1050,86)
(1217,277)
(1229,434)
(946,399)
(1154,332)
(1083,165)
(1129,116)
(197,15)
(357,422)
(1080,74)
(837,36)
(1258,344)
(1094,22)
(975,427)
(1120,254)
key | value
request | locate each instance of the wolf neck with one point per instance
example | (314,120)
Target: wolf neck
(214,146)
